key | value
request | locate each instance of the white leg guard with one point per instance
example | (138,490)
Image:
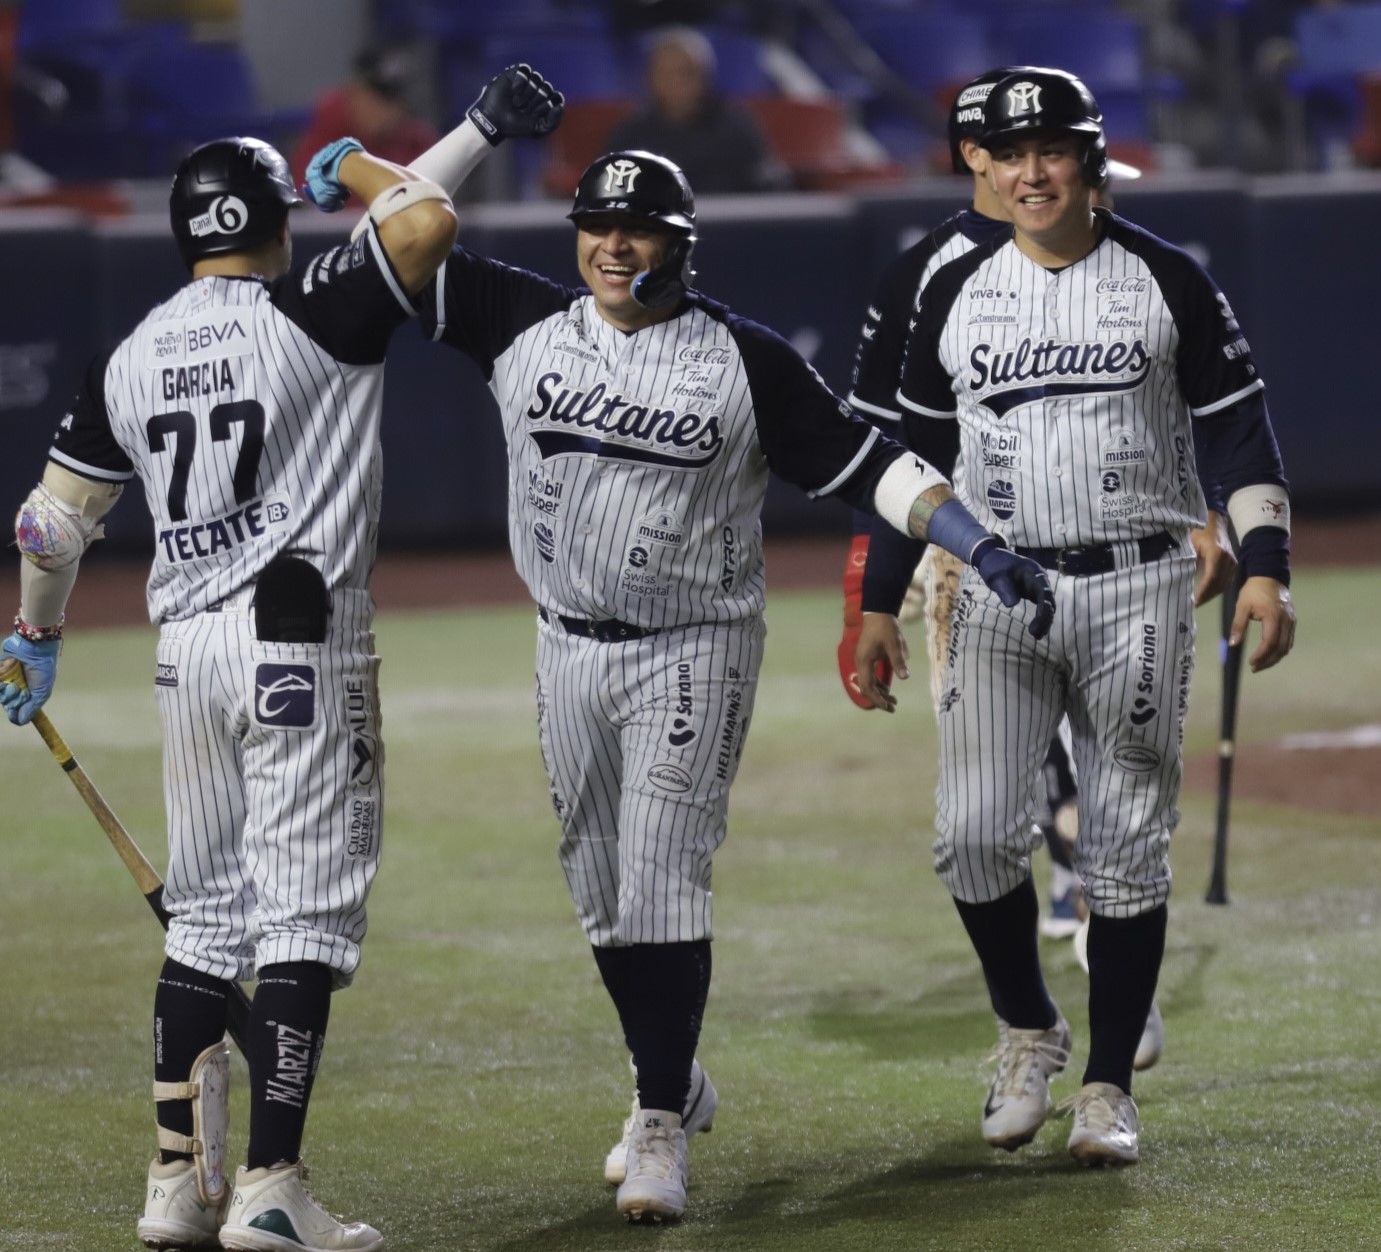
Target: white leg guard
(208,1088)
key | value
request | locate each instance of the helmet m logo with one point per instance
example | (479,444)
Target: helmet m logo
(1022,99)
(619,177)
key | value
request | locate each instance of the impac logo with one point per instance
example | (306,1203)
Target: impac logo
(285,695)
(619,177)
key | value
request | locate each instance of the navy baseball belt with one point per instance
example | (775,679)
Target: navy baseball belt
(1099,558)
(610,630)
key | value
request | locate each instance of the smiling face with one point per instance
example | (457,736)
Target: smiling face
(611,250)
(1038,180)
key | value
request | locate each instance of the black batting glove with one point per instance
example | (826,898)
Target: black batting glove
(1011,578)
(519,103)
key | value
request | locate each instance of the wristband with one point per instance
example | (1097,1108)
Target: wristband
(956,530)
(39,634)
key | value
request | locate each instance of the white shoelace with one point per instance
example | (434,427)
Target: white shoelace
(1022,1057)
(656,1154)
(1096,1111)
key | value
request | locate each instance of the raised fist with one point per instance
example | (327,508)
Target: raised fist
(518,103)
(1011,578)
(322,185)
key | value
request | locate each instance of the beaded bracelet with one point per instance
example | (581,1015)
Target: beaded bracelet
(39,634)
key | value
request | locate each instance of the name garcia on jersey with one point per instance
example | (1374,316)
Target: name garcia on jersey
(622,428)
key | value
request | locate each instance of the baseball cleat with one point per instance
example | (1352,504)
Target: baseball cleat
(658,1169)
(175,1215)
(1105,1126)
(271,1211)
(698,1116)
(1019,1100)
(1152,1041)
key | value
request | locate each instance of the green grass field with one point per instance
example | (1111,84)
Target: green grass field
(474,1076)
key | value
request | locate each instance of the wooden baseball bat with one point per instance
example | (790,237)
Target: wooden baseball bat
(143,873)
(1231,658)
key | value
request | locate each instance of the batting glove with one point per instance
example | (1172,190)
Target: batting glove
(517,104)
(323,187)
(40,661)
(1011,578)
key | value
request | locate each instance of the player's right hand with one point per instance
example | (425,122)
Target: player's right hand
(880,652)
(518,103)
(1012,578)
(21,700)
(323,186)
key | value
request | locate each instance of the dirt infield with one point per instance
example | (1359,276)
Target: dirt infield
(1341,778)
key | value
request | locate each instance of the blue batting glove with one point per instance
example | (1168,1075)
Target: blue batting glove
(1013,578)
(322,187)
(40,662)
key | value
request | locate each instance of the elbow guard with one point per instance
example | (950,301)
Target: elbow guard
(51,533)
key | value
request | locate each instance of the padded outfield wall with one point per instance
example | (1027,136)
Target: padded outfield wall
(1298,258)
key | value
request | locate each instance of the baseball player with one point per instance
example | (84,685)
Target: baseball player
(641,421)
(1069,360)
(248,405)
(934,581)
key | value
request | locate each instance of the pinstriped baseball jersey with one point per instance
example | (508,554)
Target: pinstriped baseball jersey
(891,317)
(637,468)
(250,410)
(638,462)
(1132,339)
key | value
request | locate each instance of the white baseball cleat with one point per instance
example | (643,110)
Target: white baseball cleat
(271,1211)
(698,1116)
(658,1169)
(1019,1100)
(1105,1126)
(175,1215)
(1152,1041)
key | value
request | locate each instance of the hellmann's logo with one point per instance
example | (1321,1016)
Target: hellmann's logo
(609,424)
(1003,379)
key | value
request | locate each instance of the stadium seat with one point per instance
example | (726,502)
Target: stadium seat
(584,64)
(1337,48)
(809,138)
(54,24)
(738,63)
(580,138)
(930,47)
(1104,49)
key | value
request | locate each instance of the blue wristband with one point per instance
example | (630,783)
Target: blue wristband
(956,530)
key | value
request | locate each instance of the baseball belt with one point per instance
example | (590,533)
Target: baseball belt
(610,630)
(1099,558)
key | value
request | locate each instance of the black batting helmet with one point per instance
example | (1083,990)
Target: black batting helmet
(1051,100)
(966,113)
(648,188)
(229,195)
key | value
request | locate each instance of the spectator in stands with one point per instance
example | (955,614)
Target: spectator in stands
(717,144)
(373,107)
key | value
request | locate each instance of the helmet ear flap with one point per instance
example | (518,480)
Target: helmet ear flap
(1095,161)
(668,280)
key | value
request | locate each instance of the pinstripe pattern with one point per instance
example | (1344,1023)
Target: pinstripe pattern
(276,846)
(641,743)
(1004,698)
(253,436)
(1092,446)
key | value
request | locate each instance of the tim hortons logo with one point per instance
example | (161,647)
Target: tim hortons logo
(619,177)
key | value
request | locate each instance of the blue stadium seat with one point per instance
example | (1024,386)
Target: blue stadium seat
(1104,49)
(738,64)
(1344,40)
(930,48)
(52,24)
(584,64)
